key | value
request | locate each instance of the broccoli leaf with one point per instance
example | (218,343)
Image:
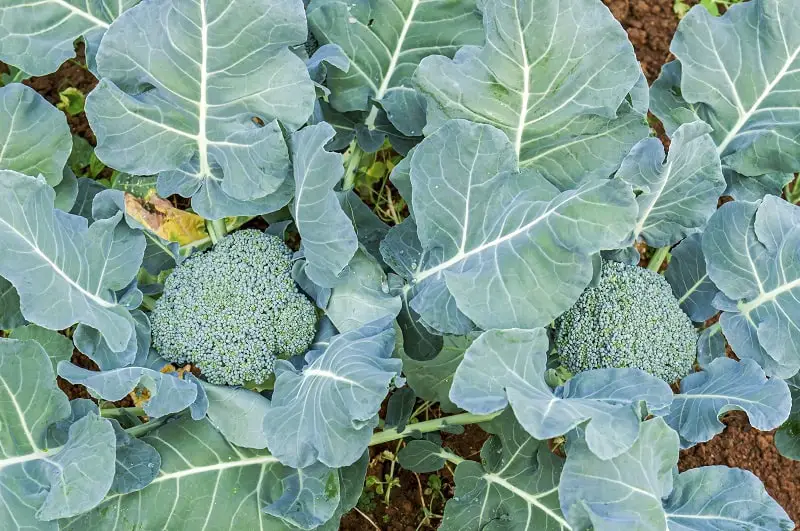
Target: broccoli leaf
(543,78)
(41,483)
(329,239)
(689,280)
(751,256)
(57,346)
(422,456)
(678,194)
(363,296)
(238,414)
(250,489)
(481,223)
(710,345)
(787,438)
(717,497)
(431,379)
(517,484)
(508,367)
(10,314)
(640,490)
(727,385)
(137,463)
(90,342)
(80,267)
(326,412)
(206,112)
(385,41)
(759,36)
(38,36)
(167,393)
(34,135)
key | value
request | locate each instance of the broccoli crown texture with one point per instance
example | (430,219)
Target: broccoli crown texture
(630,319)
(233,309)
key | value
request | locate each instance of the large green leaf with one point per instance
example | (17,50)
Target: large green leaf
(38,35)
(676,196)
(205,482)
(517,484)
(641,491)
(329,239)
(362,296)
(385,41)
(37,483)
(751,253)
(34,135)
(507,367)
(199,91)
(739,73)
(326,411)
(727,385)
(500,248)
(64,271)
(554,76)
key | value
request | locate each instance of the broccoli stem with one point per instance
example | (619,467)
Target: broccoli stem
(143,429)
(115,412)
(354,156)
(216,229)
(658,258)
(431,425)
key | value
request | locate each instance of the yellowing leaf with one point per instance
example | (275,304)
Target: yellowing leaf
(163,219)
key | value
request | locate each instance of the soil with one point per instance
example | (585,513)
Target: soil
(742,446)
(650,25)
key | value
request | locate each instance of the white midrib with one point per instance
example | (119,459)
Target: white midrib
(94,298)
(526,73)
(511,235)
(28,435)
(321,373)
(683,396)
(23,459)
(88,16)
(529,498)
(692,289)
(769,296)
(743,118)
(373,114)
(643,218)
(202,104)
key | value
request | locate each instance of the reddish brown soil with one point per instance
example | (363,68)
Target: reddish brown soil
(742,446)
(404,512)
(650,25)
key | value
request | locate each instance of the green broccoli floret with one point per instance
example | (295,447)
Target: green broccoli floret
(233,309)
(631,319)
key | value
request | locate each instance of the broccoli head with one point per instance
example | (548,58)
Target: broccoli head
(233,309)
(630,319)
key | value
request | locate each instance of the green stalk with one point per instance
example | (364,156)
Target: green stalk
(115,412)
(237,222)
(216,229)
(450,456)
(658,258)
(147,427)
(355,154)
(430,425)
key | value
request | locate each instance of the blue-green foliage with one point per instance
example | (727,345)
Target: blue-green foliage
(630,319)
(233,309)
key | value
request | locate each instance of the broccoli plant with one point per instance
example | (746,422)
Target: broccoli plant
(260,316)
